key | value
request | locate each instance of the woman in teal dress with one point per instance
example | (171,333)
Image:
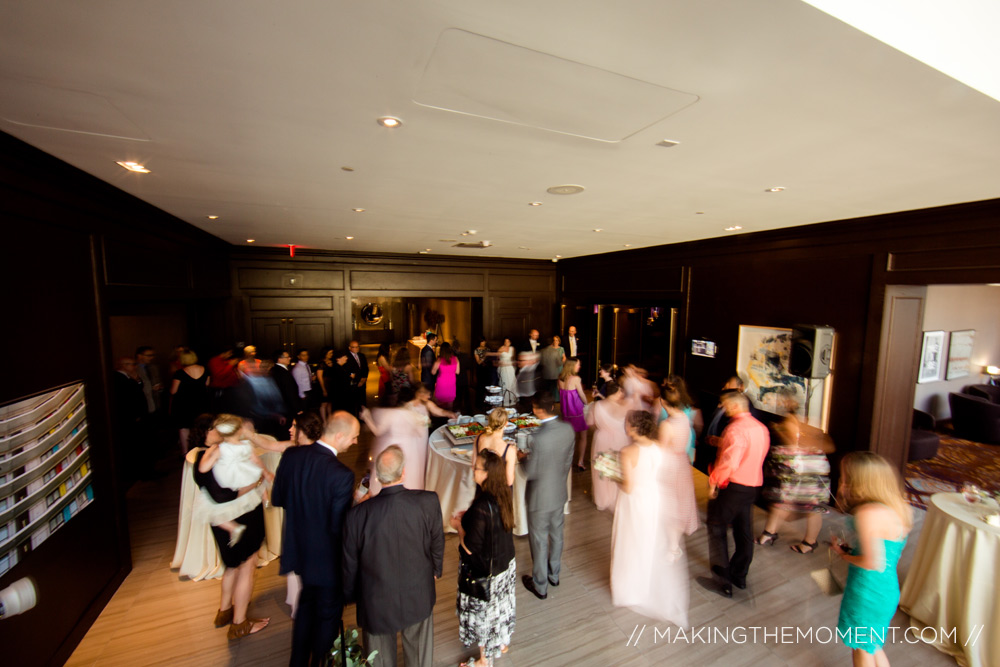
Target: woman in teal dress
(870,491)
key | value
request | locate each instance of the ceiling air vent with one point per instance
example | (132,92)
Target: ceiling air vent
(477,244)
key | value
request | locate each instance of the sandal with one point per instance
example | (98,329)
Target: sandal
(804,547)
(224,617)
(247,627)
(767,539)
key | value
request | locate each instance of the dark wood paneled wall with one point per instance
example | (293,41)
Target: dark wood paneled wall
(517,295)
(831,273)
(76,250)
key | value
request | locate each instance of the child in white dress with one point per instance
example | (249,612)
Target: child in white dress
(234,465)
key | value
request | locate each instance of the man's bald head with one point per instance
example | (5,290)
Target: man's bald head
(389,466)
(342,430)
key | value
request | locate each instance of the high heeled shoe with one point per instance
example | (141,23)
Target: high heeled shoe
(767,539)
(804,547)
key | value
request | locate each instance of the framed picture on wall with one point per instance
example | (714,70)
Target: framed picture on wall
(960,354)
(931,357)
(762,362)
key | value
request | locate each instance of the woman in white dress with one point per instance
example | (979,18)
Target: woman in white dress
(507,378)
(645,576)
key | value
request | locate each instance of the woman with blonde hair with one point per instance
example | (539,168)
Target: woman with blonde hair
(871,492)
(188,394)
(492,440)
(572,402)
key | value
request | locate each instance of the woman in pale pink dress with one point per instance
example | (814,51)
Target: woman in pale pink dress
(646,575)
(406,426)
(680,512)
(608,419)
(640,393)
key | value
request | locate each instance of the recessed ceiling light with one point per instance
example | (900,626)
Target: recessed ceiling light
(775,189)
(212,217)
(347,168)
(523,247)
(733,228)
(134,166)
(534,203)
(628,245)
(558,256)
(598,230)
(423,252)
(699,213)
(250,240)
(667,143)
(390,122)
(471,232)
(565,189)
(358,210)
(349,238)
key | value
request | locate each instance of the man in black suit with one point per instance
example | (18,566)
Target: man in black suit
(393,552)
(427,359)
(533,344)
(357,365)
(574,348)
(282,375)
(316,489)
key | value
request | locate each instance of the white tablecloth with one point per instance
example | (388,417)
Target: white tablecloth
(952,582)
(450,476)
(196,556)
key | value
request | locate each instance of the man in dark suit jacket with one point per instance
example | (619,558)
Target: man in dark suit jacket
(532,344)
(393,552)
(282,375)
(358,365)
(316,489)
(427,359)
(546,469)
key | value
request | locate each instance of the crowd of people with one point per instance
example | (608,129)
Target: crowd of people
(381,543)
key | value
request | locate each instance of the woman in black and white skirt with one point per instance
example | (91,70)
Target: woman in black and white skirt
(487,545)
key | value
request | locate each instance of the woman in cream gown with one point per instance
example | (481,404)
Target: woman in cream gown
(608,419)
(507,378)
(648,574)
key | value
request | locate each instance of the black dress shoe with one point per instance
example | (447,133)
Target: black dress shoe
(709,584)
(718,571)
(551,583)
(529,583)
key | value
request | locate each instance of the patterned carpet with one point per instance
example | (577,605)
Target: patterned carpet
(958,462)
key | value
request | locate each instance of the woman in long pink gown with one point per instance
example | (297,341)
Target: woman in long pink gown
(676,480)
(608,419)
(446,369)
(646,575)
(405,425)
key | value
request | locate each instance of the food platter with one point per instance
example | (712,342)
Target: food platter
(463,434)
(526,421)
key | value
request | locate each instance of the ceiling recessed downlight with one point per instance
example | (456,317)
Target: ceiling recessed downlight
(734,228)
(565,189)
(534,203)
(390,122)
(358,210)
(598,230)
(251,240)
(628,245)
(523,247)
(212,217)
(134,166)
(667,143)
(777,188)
(349,238)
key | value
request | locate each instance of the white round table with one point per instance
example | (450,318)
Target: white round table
(450,476)
(952,583)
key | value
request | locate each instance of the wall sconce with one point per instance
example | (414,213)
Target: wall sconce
(994,373)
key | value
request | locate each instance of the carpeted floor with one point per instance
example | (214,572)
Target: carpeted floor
(957,463)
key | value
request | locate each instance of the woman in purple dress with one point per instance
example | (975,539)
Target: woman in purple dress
(572,400)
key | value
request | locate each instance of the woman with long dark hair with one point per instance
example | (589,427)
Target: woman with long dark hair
(401,375)
(324,375)
(487,547)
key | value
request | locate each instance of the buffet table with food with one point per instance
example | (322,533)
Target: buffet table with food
(449,466)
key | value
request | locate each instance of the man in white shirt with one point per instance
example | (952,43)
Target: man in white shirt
(303,375)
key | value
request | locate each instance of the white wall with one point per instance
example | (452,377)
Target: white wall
(955,308)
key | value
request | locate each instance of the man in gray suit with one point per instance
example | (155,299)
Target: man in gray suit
(546,469)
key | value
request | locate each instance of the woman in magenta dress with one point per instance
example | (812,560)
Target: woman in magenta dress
(446,369)
(608,419)
(572,400)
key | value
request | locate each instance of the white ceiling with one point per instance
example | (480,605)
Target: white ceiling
(249,109)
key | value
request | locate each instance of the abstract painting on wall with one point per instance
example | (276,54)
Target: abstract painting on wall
(45,475)
(762,362)
(960,354)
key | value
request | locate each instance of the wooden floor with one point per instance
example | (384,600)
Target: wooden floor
(157,618)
